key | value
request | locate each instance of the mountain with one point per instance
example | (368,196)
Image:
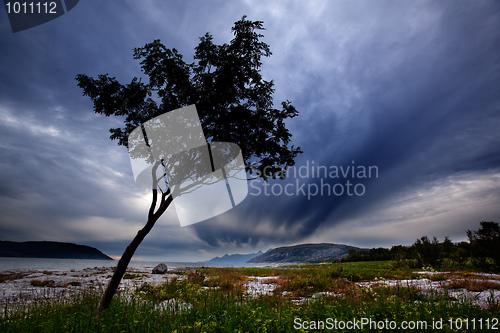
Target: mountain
(310,253)
(234,258)
(50,250)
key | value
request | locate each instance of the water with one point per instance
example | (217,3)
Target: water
(49,264)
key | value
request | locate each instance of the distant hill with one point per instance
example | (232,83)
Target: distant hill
(234,258)
(305,253)
(46,249)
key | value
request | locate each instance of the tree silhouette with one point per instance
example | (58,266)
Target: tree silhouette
(485,243)
(234,104)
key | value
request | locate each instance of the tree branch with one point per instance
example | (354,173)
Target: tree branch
(155,191)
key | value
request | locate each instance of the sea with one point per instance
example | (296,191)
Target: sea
(49,264)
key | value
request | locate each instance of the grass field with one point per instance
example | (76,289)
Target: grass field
(302,298)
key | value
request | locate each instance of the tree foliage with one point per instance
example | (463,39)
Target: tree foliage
(485,244)
(481,252)
(234,102)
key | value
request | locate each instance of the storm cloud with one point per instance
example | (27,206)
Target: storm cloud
(411,88)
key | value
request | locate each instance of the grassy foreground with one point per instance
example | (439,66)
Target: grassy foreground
(307,298)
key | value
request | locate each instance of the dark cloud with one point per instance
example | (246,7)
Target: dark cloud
(426,116)
(410,88)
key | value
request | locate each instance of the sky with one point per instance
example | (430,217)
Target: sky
(407,90)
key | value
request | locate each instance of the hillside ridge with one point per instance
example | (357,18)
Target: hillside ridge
(305,253)
(49,249)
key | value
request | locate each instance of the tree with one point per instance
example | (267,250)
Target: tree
(234,104)
(485,243)
(426,252)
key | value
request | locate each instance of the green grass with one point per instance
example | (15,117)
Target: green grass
(219,304)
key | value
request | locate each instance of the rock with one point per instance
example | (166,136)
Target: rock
(195,276)
(346,281)
(160,269)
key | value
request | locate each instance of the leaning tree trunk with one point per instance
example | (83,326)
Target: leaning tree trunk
(130,250)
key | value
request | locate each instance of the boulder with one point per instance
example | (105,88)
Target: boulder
(160,269)
(346,281)
(195,276)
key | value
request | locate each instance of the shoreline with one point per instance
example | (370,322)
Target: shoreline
(25,287)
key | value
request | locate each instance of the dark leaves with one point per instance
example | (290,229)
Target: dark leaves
(234,103)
